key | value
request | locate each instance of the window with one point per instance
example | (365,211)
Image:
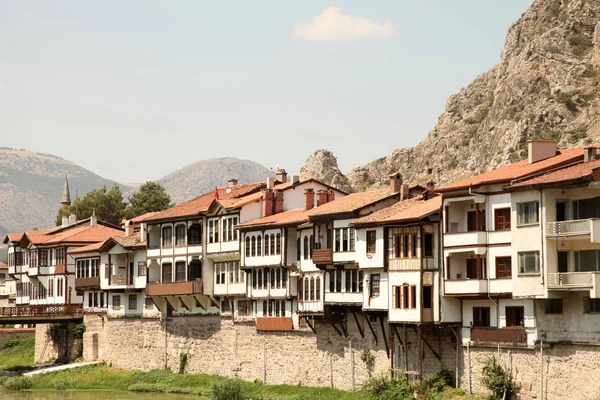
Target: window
(502,219)
(591,305)
(195,234)
(428,245)
(405,296)
(180,235)
(132,302)
(258,246)
(230,272)
(527,213)
(305,247)
(515,316)
(180,268)
(243,308)
(116,302)
(503,267)
(247,253)
(167,273)
(225,305)
(60,287)
(529,262)
(141,268)
(481,317)
(585,208)
(586,261)
(230,234)
(274,308)
(554,306)
(43,258)
(371,241)
(427,296)
(278,247)
(335,280)
(272,244)
(60,256)
(476,268)
(374,285)
(50,286)
(148,303)
(252,252)
(167,236)
(353,280)
(345,239)
(407,243)
(475,217)
(213,230)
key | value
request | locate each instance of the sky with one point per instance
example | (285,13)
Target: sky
(134,90)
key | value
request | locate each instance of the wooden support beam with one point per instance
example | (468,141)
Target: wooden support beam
(371,328)
(385,339)
(405,341)
(420,347)
(344,325)
(395,329)
(392,350)
(435,353)
(310,325)
(360,328)
(332,323)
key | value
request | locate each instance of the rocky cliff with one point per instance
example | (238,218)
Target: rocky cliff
(546,85)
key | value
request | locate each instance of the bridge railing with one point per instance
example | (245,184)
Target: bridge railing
(41,311)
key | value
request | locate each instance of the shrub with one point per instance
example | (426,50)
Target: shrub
(182,362)
(227,390)
(79,330)
(384,388)
(497,379)
(367,357)
(18,383)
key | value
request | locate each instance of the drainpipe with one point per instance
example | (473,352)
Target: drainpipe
(542,224)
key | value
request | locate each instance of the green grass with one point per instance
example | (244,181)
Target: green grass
(103,377)
(18,354)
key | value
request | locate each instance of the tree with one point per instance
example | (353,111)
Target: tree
(150,197)
(108,204)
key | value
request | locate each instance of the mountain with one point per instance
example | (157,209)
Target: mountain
(545,86)
(31,186)
(203,176)
(323,164)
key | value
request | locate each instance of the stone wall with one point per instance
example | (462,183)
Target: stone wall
(66,347)
(8,334)
(221,346)
(568,370)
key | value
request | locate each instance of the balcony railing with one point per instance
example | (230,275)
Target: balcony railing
(571,280)
(569,228)
(515,334)
(41,311)
(174,288)
(91,283)
(322,256)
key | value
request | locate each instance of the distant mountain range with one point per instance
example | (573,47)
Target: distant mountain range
(31,184)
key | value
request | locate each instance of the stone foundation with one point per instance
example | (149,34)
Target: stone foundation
(221,346)
(65,349)
(9,334)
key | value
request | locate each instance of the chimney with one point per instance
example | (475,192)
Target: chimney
(295,179)
(431,185)
(128,228)
(330,195)
(590,154)
(278,202)
(309,199)
(93,219)
(539,150)
(65,221)
(395,182)
(72,219)
(404,189)
(270,183)
(281,175)
(322,197)
(268,202)
(232,182)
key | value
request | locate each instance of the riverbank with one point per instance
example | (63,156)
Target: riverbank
(104,377)
(17,354)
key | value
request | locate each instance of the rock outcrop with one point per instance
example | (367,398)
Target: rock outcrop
(545,86)
(322,165)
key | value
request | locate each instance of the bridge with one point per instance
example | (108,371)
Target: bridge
(41,314)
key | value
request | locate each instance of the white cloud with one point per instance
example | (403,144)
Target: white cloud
(1,86)
(331,25)
(29,16)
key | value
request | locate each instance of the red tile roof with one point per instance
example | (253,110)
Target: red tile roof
(352,202)
(575,172)
(517,170)
(404,211)
(291,217)
(90,248)
(202,203)
(143,217)
(13,237)
(84,234)
(130,242)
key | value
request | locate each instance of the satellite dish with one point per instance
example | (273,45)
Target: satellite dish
(228,191)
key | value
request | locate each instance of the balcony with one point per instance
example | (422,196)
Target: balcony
(575,228)
(174,288)
(515,334)
(465,287)
(322,256)
(464,239)
(310,307)
(572,280)
(116,280)
(87,283)
(33,271)
(274,324)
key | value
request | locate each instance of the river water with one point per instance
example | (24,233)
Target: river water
(91,395)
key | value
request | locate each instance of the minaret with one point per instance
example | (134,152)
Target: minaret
(66,196)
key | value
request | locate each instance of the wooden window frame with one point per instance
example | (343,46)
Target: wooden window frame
(511,321)
(371,236)
(502,267)
(502,222)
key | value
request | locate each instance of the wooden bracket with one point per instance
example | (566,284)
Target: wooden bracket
(310,325)
(360,328)
(371,328)
(385,339)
